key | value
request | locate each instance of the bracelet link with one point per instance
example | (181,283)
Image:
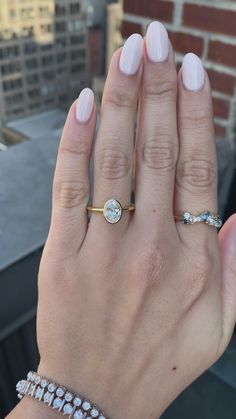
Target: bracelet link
(57,397)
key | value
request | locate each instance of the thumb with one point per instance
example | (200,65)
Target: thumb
(227,239)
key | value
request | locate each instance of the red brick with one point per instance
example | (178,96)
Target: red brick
(220,131)
(222,53)
(130,27)
(184,42)
(222,82)
(221,107)
(155,9)
(211,19)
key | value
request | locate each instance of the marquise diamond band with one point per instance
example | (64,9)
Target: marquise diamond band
(58,397)
(113,211)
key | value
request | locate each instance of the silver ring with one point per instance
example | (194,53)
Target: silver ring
(206,217)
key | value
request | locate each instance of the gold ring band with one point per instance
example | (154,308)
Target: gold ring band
(97,209)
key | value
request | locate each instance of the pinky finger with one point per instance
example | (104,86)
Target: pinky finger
(71,181)
(227,238)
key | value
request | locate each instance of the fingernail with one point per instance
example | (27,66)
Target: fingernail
(193,73)
(131,54)
(157,42)
(84,105)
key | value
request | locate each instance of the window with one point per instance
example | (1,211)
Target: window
(27,13)
(12,14)
(28,32)
(77,39)
(44,11)
(48,75)
(46,28)
(60,10)
(74,8)
(46,47)
(76,68)
(60,26)
(11,100)
(34,93)
(6,53)
(10,68)
(48,60)
(75,55)
(31,64)
(61,57)
(12,84)
(61,42)
(30,48)
(32,79)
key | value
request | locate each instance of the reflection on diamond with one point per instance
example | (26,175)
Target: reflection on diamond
(112,211)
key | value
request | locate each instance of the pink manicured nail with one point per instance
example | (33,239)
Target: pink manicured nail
(131,54)
(193,73)
(157,42)
(84,105)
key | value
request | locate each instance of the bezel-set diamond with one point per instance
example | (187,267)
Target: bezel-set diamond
(112,211)
(57,397)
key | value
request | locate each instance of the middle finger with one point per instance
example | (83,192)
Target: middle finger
(157,142)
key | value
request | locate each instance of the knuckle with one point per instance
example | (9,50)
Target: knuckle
(70,194)
(195,116)
(159,155)
(196,172)
(74,148)
(165,90)
(119,98)
(114,163)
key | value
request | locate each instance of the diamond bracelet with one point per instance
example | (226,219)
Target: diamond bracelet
(57,397)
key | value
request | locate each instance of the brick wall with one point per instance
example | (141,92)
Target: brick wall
(205,27)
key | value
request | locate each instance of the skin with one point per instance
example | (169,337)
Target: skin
(130,314)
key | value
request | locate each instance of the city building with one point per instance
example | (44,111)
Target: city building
(43,55)
(113,41)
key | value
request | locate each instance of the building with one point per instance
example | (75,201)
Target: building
(113,41)
(43,55)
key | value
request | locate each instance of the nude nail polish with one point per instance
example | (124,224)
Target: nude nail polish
(157,42)
(84,105)
(131,54)
(193,73)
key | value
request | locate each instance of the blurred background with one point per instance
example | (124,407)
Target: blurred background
(49,51)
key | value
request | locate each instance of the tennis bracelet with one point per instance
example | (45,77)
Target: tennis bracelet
(58,397)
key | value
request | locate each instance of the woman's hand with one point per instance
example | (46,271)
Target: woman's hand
(131,313)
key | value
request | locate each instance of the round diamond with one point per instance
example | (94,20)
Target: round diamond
(67,409)
(38,393)
(47,397)
(60,392)
(51,388)
(77,401)
(44,383)
(94,413)
(187,218)
(29,375)
(57,403)
(112,211)
(78,414)
(68,397)
(37,379)
(86,405)
(101,417)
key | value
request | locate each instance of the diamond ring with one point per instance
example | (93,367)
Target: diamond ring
(112,210)
(204,217)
